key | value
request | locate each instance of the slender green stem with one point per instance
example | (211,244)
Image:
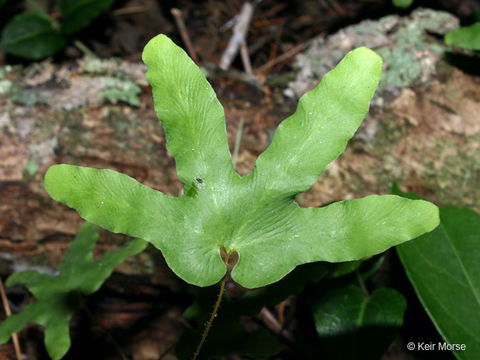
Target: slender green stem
(83,48)
(214,314)
(362,283)
(238,139)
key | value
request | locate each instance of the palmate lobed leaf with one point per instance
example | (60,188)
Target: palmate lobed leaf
(255,215)
(59,297)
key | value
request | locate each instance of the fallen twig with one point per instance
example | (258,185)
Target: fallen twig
(129,10)
(238,140)
(239,33)
(272,323)
(285,56)
(245,58)
(16,343)
(275,9)
(177,14)
(275,45)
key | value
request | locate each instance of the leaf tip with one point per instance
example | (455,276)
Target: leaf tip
(427,215)
(369,58)
(52,178)
(434,215)
(430,212)
(155,45)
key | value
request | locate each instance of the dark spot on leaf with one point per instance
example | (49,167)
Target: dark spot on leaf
(200,181)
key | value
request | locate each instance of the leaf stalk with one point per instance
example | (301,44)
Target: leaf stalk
(362,283)
(214,313)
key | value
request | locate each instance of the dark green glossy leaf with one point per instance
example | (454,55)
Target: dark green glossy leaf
(31,35)
(59,297)
(353,325)
(78,13)
(467,37)
(444,268)
(256,215)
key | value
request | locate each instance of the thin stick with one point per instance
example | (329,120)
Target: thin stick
(285,56)
(214,313)
(167,350)
(245,58)
(177,14)
(6,306)
(129,10)
(272,323)
(239,33)
(238,139)
(274,50)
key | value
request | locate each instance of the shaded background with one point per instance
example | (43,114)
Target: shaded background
(422,132)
